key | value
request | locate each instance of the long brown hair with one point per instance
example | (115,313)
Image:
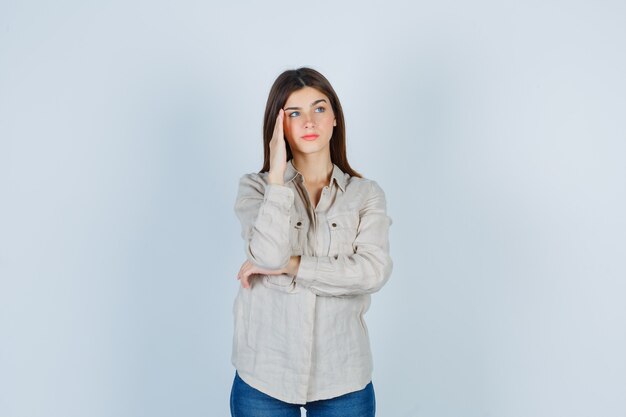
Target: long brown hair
(288,82)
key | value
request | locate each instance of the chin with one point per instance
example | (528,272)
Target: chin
(311,149)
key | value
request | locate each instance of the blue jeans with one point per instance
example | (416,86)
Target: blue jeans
(246,401)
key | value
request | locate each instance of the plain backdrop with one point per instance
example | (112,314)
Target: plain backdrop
(496,129)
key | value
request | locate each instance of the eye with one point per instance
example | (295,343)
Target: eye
(320,109)
(294,114)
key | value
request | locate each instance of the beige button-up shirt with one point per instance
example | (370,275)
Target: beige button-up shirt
(303,338)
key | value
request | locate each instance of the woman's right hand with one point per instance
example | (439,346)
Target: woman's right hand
(278,151)
(248,269)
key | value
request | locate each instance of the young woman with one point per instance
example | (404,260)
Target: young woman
(316,241)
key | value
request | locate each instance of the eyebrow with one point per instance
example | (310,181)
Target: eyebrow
(312,104)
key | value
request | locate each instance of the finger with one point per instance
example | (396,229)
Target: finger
(278,126)
(245,280)
(279,122)
(245,277)
(239,273)
(241,269)
(245,270)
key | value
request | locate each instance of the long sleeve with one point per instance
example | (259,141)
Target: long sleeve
(264,210)
(363,272)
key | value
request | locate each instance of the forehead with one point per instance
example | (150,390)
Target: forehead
(304,97)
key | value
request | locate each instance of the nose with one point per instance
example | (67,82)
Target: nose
(308,122)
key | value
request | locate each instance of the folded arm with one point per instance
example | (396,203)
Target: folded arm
(264,212)
(363,272)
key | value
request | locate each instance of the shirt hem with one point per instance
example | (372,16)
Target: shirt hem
(327,395)
(265,389)
(324,395)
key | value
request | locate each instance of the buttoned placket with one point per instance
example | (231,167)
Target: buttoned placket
(315,214)
(318,216)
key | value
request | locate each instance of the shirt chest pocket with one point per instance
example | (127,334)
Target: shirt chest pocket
(343,230)
(298,229)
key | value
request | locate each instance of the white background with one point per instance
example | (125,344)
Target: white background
(496,129)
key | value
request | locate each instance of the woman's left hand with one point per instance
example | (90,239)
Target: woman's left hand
(248,268)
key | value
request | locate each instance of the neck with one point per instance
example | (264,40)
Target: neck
(316,169)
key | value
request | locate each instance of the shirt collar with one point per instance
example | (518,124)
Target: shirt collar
(338,175)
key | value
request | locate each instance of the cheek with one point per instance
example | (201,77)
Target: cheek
(327,119)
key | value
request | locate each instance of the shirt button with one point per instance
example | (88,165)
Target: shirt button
(334,224)
(299,224)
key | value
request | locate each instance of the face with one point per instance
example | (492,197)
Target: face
(309,121)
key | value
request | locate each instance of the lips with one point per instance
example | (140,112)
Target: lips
(310,137)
